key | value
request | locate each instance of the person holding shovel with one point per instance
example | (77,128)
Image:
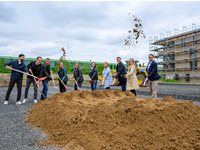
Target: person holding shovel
(16,77)
(36,69)
(153,76)
(107,77)
(46,73)
(62,73)
(78,76)
(93,76)
(121,74)
(132,82)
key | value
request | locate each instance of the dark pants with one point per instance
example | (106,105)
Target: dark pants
(79,85)
(10,87)
(28,83)
(123,86)
(134,92)
(123,80)
(45,89)
(94,85)
(62,87)
(107,87)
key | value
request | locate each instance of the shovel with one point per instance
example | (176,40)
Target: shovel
(78,88)
(112,84)
(91,81)
(63,83)
(38,86)
(144,83)
(102,85)
(39,79)
(53,81)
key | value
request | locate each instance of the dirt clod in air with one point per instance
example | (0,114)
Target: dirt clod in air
(134,33)
(116,120)
(63,56)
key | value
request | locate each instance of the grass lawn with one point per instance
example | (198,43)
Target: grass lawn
(174,81)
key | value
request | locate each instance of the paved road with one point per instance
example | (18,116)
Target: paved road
(16,135)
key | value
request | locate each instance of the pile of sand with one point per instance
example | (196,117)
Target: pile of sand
(115,120)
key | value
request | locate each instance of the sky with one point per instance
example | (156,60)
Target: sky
(88,30)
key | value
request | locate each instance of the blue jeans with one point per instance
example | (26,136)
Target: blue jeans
(45,89)
(94,85)
(123,86)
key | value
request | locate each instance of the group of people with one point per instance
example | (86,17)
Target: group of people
(36,70)
(129,80)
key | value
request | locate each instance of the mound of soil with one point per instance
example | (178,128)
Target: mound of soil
(116,120)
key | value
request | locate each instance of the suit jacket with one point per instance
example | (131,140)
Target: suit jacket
(121,73)
(152,71)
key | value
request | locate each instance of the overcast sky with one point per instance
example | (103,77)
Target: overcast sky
(92,30)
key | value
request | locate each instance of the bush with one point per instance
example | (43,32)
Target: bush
(2,68)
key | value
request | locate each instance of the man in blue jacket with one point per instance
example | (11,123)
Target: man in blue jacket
(16,77)
(121,74)
(153,76)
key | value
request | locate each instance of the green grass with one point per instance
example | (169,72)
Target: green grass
(174,81)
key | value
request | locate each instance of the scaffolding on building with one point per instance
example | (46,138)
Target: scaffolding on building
(165,51)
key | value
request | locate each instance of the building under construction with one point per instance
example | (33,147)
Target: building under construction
(178,55)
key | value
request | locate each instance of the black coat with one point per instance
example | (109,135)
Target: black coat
(36,69)
(121,73)
(78,75)
(46,72)
(152,71)
(93,74)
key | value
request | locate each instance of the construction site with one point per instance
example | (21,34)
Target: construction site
(178,54)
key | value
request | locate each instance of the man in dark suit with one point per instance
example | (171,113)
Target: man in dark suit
(153,76)
(121,74)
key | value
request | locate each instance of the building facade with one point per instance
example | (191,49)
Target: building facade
(178,56)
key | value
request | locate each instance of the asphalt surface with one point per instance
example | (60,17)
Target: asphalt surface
(15,134)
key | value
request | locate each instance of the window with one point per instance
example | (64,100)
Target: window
(52,63)
(182,41)
(193,54)
(27,62)
(194,39)
(111,66)
(193,65)
(81,65)
(85,64)
(168,48)
(176,77)
(187,79)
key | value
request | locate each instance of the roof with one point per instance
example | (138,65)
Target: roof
(177,35)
